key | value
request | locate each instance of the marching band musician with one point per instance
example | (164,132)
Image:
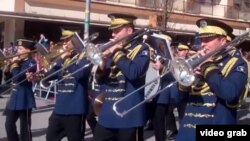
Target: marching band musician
(69,114)
(22,98)
(182,51)
(191,53)
(222,80)
(163,99)
(123,70)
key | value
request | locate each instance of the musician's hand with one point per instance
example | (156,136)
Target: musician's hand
(30,76)
(106,54)
(65,54)
(202,53)
(157,65)
(116,47)
(42,36)
(197,71)
(15,59)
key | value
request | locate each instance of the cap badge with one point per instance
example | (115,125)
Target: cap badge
(203,23)
(19,43)
(112,17)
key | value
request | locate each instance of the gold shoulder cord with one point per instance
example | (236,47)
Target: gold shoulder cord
(225,72)
(130,55)
(69,60)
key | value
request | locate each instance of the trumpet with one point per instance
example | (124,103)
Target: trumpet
(182,71)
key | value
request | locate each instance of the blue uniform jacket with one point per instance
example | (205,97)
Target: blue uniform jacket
(72,97)
(210,102)
(22,96)
(165,96)
(122,77)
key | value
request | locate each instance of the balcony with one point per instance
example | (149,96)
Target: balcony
(190,7)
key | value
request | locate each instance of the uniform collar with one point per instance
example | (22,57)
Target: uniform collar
(131,45)
(224,54)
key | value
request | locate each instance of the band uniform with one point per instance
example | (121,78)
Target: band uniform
(71,106)
(124,72)
(214,98)
(21,101)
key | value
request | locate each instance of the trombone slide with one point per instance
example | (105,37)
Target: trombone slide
(182,71)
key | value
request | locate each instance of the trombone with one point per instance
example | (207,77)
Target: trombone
(93,53)
(76,45)
(182,71)
(4,57)
(79,45)
(39,48)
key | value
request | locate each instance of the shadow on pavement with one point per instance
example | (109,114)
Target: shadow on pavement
(44,109)
(243,116)
(39,132)
(148,134)
(3,139)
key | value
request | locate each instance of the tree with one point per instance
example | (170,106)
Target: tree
(162,9)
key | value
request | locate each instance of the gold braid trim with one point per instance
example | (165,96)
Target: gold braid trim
(228,66)
(202,104)
(14,65)
(199,90)
(131,55)
(66,91)
(69,84)
(115,90)
(189,125)
(118,55)
(183,88)
(119,82)
(66,62)
(209,69)
(225,71)
(112,98)
(202,94)
(245,94)
(69,60)
(199,115)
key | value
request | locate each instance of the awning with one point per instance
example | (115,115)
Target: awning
(30,16)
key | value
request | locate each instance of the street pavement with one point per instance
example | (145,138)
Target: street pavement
(44,108)
(40,118)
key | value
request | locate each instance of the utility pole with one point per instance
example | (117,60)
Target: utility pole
(164,20)
(87,18)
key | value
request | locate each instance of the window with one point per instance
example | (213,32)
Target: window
(214,2)
(1,35)
(242,5)
(247,3)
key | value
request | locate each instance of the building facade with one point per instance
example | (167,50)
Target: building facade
(29,18)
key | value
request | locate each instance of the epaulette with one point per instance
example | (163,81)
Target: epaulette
(14,65)
(70,60)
